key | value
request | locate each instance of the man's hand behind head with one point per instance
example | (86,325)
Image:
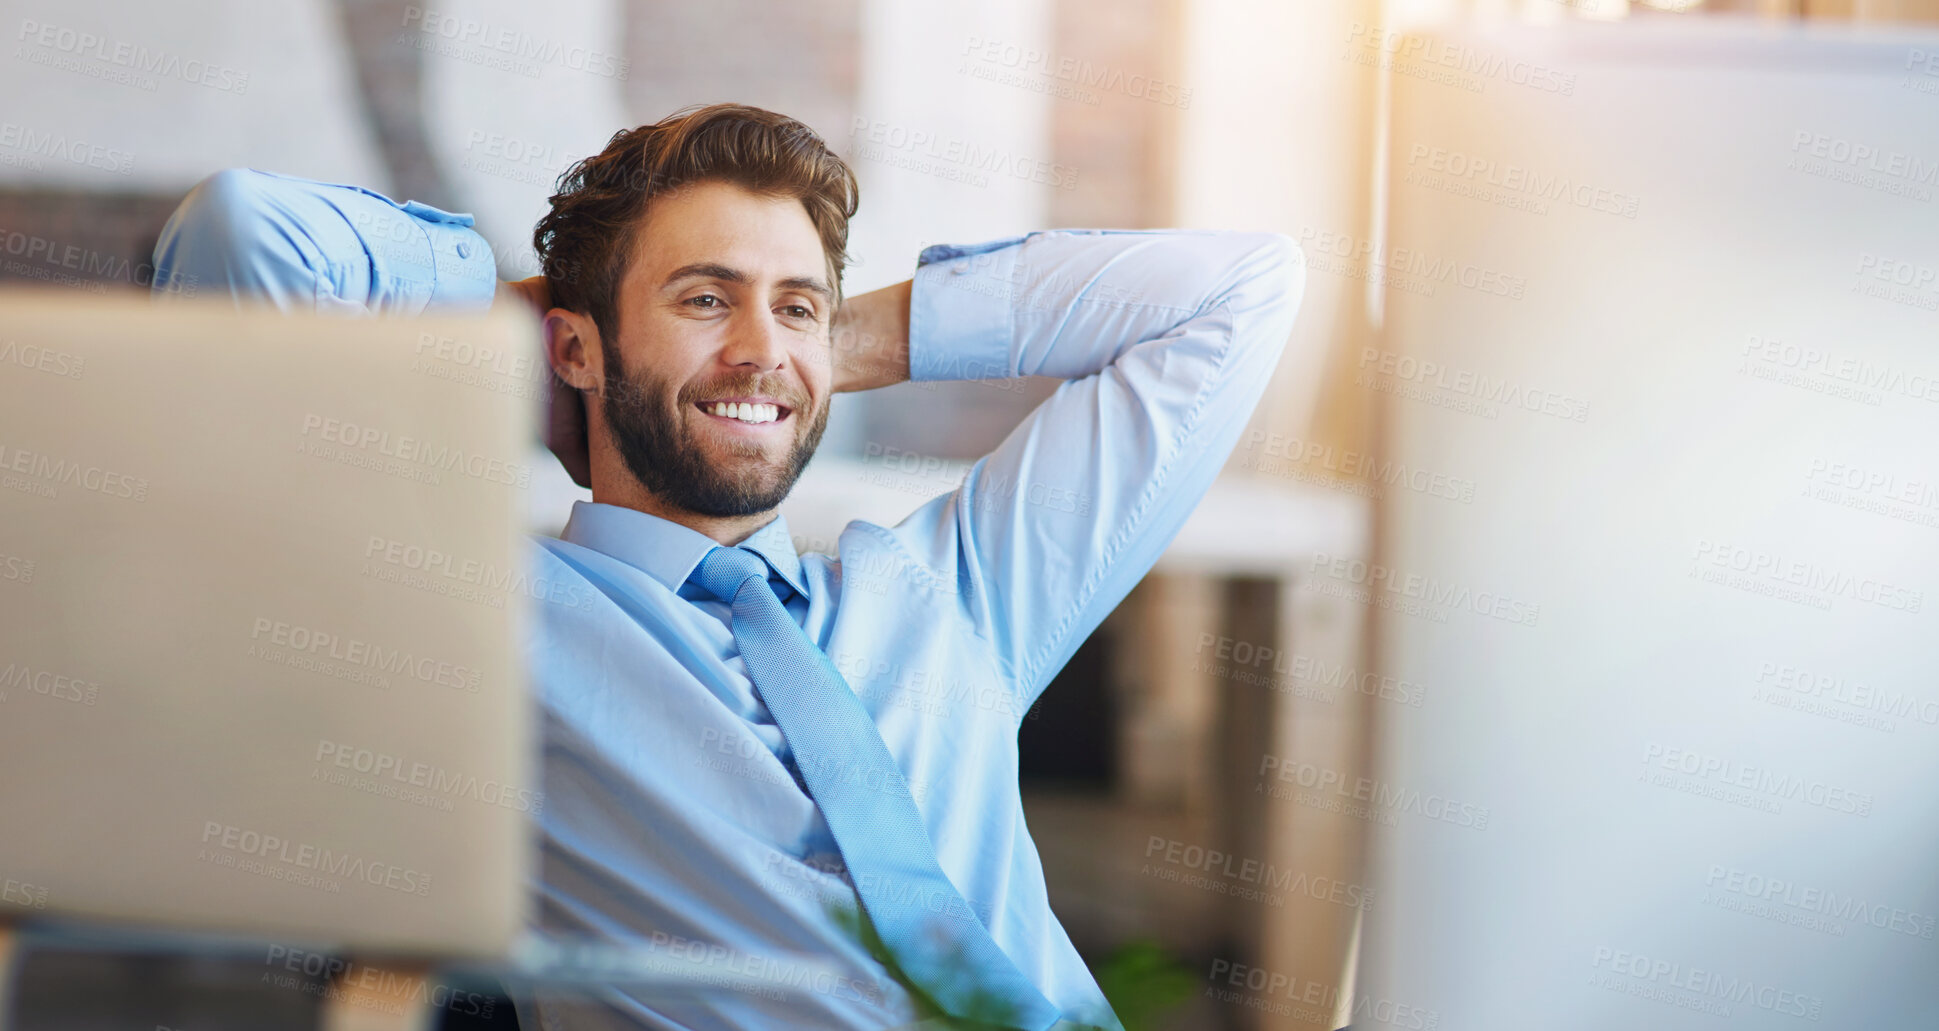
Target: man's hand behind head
(565,417)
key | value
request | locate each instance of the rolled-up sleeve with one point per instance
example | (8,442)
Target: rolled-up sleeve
(309,246)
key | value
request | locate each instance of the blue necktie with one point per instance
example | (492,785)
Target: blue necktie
(923,921)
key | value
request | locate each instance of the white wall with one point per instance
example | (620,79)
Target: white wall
(914,84)
(514,93)
(140,97)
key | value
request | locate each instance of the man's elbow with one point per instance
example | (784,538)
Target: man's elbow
(1285,267)
(224,236)
(220,214)
(1271,283)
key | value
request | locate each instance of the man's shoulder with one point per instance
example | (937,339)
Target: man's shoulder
(556,574)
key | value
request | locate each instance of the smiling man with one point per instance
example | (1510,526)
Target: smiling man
(718,411)
(752,755)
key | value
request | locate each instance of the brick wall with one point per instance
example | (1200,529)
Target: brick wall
(80,239)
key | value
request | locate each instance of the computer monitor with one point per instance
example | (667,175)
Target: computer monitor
(1663,292)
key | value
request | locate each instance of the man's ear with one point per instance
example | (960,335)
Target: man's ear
(572,348)
(578,364)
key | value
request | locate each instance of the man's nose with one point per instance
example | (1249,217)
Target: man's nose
(754,340)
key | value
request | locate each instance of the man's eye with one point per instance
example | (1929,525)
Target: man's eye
(797,311)
(695,301)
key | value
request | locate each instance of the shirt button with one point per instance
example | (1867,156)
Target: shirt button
(959,268)
(464,250)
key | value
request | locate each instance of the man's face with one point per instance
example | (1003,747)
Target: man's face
(726,302)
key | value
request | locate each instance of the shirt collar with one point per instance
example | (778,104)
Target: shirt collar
(669,552)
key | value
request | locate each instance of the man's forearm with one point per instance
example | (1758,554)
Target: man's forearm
(309,246)
(869,342)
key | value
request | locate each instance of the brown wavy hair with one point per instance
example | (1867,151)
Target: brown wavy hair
(585,240)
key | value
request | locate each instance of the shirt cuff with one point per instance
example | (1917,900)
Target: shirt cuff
(961,312)
(418,257)
(467,274)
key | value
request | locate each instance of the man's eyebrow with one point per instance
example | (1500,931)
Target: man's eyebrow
(728,274)
(808,283)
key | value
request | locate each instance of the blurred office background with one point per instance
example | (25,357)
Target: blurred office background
(1095,113)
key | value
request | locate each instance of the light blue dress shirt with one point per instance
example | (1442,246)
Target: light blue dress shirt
(674,815)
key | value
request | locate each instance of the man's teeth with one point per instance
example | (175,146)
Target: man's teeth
(745,412)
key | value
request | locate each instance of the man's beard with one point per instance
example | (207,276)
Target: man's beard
(663,455)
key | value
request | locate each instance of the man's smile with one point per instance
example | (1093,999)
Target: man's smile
(750,416)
